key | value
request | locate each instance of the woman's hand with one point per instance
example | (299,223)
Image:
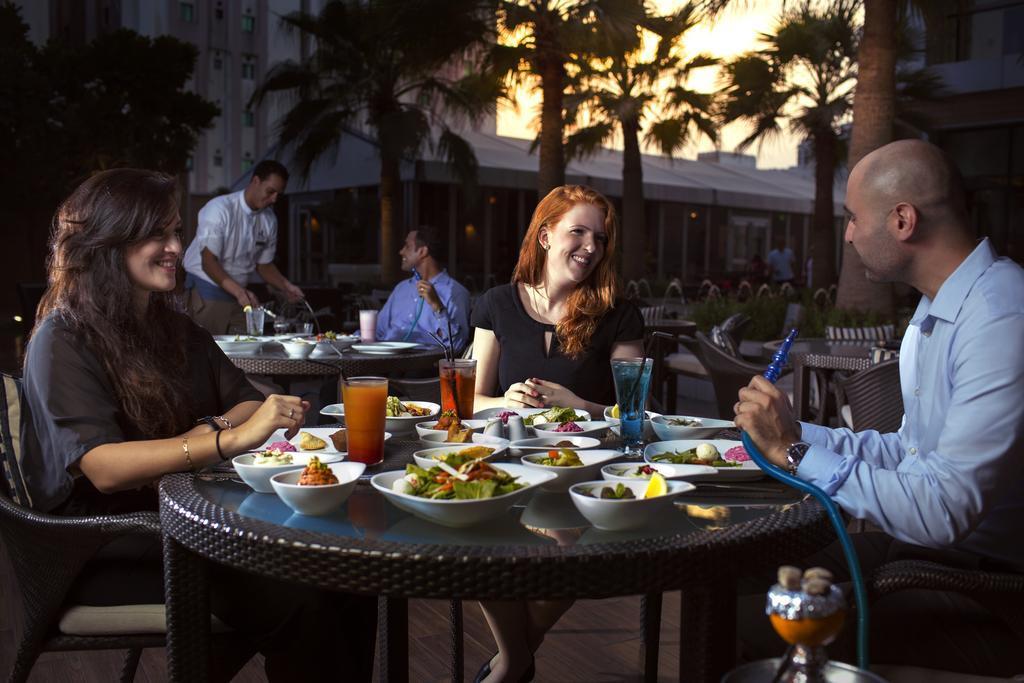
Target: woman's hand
(552,394)
(523,395)
(276,412)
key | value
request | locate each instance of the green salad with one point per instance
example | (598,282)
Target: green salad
(478,480)
(556,414)
(689,457)
(562,457)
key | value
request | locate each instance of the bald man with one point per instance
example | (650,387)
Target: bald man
(952,478)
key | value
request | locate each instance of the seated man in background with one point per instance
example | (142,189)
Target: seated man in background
(429,300)
(950,484)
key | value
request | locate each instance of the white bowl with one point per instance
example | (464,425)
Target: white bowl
(258,476)
(436,438)
(616,471)
(619,515)
(230,343)
(318,500)
(648,415)
(427,429)
(460,513)
(296,348)
(426,458)
(567,476)
(404,425)
(546,443)
(588,428)
(487,413)
(745,472)
(708,427)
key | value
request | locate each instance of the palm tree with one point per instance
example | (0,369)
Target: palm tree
(621,93)
(548,41)
(387,67)
(804,75)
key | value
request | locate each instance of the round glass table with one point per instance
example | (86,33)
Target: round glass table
(543,549)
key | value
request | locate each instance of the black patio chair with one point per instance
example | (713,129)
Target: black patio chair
(48,553)
(871,399)
(728,374)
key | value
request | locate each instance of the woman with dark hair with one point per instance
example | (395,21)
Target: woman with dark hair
(122,388)
(546,339)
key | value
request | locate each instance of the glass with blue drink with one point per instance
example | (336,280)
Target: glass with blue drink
(632,380)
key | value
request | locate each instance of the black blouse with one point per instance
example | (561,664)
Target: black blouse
(72,408)
(522,345)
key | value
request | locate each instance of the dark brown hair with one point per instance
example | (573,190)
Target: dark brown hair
(593,297)
(89,287)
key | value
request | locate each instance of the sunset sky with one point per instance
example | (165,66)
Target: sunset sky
(734,32)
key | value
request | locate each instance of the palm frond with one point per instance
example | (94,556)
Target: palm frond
(585,142)
(460,156)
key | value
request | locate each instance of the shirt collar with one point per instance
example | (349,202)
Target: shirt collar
(245,205)
(951,295)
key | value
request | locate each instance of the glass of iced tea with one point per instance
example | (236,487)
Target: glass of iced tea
(458,385)
(365,399)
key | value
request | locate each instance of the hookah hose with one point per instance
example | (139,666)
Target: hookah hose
(419,308)
(772,374)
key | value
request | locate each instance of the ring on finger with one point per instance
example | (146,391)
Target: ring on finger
(291,413)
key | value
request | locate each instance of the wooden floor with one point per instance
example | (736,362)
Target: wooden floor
(595,641)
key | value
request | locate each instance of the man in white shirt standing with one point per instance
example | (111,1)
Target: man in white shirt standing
(780,262)
(236,236)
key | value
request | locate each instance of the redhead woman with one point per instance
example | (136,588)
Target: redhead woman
(122,388)
(546,339)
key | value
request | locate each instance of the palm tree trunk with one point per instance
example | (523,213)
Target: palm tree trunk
(874,108)
(390,216)
(824,239)
(551,172)
(634,226)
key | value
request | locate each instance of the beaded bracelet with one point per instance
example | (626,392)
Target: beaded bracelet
(227,422)
(188,456)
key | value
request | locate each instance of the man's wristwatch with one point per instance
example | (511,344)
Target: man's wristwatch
(794,454)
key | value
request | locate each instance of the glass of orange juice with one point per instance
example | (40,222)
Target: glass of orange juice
(365,400)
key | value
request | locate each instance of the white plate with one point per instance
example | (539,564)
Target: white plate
(319,432)
(618,515)
(567,476)
(708,427)
(488,413)
(460,513)
(546,443)
(616,471)
(427,430)
(745,472)
(436,438)
(588,428)
(384,348)
(426,457)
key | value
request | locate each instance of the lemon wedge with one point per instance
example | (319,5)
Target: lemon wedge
(657,486)
(246,308)
(615,411)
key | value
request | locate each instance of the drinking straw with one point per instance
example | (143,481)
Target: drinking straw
(772,374)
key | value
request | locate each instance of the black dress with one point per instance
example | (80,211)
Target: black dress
(522,345)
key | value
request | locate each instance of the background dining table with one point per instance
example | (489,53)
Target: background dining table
(543,549)
(824,357)
(274,361)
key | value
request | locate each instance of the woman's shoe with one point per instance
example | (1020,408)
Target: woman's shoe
(485,671)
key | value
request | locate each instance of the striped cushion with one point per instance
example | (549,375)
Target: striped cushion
(877,333)
(881,354)
(652,314)
(10,441)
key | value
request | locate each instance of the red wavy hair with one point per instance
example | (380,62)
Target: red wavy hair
(593,297)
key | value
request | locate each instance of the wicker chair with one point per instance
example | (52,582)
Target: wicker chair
(48,552)
(872,399)
(728,374)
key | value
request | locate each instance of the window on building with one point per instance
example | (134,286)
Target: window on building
(248,70)
(246,163)
(248,118)
(248,23)
(218,159)
(187,11)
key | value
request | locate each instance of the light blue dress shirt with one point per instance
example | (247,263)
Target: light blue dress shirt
(399,314)
(953,475)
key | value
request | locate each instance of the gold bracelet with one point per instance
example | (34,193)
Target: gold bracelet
(223,419)
(188,456)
